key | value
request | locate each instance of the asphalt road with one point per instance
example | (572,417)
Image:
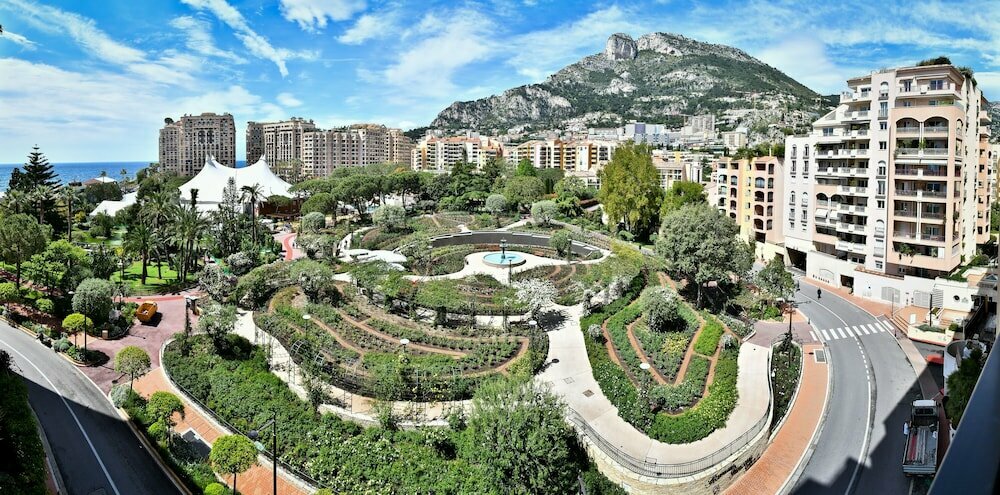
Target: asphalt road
(93,447)
(861,447)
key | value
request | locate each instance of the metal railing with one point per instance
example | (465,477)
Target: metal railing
(644,467)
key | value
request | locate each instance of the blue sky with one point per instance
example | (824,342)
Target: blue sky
(92,81)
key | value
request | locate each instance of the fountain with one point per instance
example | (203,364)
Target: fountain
(502,259)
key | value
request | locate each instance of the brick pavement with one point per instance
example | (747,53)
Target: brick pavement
(786,450)
(257,480)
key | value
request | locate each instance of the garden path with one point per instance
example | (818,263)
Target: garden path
(474,265)
(570,375)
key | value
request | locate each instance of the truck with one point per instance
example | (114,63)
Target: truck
(920,454)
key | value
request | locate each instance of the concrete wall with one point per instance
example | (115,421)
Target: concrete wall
(494,237)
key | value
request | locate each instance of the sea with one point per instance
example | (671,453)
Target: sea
(81,171)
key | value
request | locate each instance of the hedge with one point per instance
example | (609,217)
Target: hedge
(709,414)
(708,339)
(23,466)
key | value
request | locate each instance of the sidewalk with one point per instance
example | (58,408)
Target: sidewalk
(788,447)
(572,378)
(257,480)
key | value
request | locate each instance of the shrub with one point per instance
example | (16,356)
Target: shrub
(45,305)
(390,217)
(561,242)
(157,431)
(313,222)
(662,311)
(216,489)
(708,339)
(119,394)
(544,211)
(241,262)
(93,298)
(61,345)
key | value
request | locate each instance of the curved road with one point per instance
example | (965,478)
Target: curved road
(93,447)
(860,448)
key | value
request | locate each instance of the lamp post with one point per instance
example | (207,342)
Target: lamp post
(404,342)
(255,434)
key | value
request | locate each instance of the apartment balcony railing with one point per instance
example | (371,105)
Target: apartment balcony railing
(921,236)
(850,227)
(852,189)
(904,235)
(908,130)
(859,133)
(932,215)
(856,115)
(920,172)
(925,152)
(852,247)
(935,129)
(921,193)
(905,213)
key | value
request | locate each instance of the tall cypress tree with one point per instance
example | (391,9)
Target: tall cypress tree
(37,172)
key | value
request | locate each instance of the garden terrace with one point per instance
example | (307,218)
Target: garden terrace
(357,346)
(568,280)
(381,238)
(493,238)
(689,388)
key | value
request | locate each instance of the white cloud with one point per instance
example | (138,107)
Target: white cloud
(312,15)
(367,27)
(255,43)
(288,100)
(83,30)
(18,39)
(427,67)
(198,34)
(806,61)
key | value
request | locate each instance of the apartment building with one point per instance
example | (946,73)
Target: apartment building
(277,141)
(892,185)
(184,144)
(438,154)
(734,140)
(366,144)
(750,191)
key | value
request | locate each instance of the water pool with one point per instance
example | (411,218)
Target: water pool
(501,260)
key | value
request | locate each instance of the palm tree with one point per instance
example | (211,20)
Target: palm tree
(253,194)
(40,196)
(188,226)
(124,174)
(140,240)
(158,209)
(15,201)
(69,196)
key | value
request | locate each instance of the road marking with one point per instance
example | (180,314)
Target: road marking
(77,420)
(825,336)
(813,335)
(875,328)
(841,332)
(887,325)
(864,329)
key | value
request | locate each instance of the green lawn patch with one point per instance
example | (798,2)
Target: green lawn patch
(154,284)
(708,339)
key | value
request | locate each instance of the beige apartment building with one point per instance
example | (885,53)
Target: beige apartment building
(438,154)
(892,186)
(185,143)
(750,191)
(316,152)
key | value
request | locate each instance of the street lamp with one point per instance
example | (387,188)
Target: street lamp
(255,434)
(404,342)
(307,317)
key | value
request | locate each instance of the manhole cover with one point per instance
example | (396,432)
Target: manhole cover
(588,393)
(820,356)
(568,380)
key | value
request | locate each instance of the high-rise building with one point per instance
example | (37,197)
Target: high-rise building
(438,154)
(750,192)
(894,182)
(280,143)
(366,144)
(185,143)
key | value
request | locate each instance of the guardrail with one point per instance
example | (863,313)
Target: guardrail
(645,467)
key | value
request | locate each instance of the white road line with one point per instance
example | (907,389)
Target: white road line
(825,336)
(813,335)
(862,329)
(77,420)
(875,328)
(841,332)
(887,325)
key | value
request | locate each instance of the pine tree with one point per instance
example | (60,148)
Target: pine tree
(37,172)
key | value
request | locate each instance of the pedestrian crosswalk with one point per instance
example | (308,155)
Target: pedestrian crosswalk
(826,334)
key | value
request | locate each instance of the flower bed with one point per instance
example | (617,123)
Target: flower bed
(709,414)
(708,339)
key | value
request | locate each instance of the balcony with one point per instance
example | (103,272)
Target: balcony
(920,172)
(848,96)
(851,247)
(922,237)
(852,189)
(920,193)
(984,117)
(859,133)
(905,213)
(852,228)
(908,130)
(856,115)
(935,129)
(849,208)
(936,153)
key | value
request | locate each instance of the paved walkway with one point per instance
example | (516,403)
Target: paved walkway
(287,240)
(788,447)
(257,480)
(571,377)
(474,265)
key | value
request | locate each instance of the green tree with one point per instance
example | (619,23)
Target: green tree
(573,187)
(322,202)
(525,169)
(418,251)
(630,188)
(701,245)
(161,409)
(132,361)
(682,193)
(93,298)
(60,265)
(496,204)
(313,222)
(961,383)
(9,293)
(71,198)
(21,237)
(218,320)
(544,211)
(140,240)
(562,243)
(253,194)
(390,217)
(662,311)
(232,454)
(37,172)
(75,323)
(522,190)
(23,468)
(775,279)
(519,438)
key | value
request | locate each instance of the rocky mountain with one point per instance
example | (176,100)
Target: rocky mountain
(658,78)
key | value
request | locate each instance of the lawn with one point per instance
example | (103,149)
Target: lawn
(154,284)
(116,237)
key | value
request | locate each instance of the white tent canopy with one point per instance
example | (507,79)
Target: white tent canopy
(111,207)
(211,181)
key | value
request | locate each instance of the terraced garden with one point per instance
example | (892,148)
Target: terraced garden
(357,346)
(676,382)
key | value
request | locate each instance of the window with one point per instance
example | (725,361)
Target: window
(883,109)
(882,145)
(881,188)
(880,204)
(883,126)
(828,131)
(907,86)
(805,153)
(878,265)
(937,84)
(793,201)
(794,151)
